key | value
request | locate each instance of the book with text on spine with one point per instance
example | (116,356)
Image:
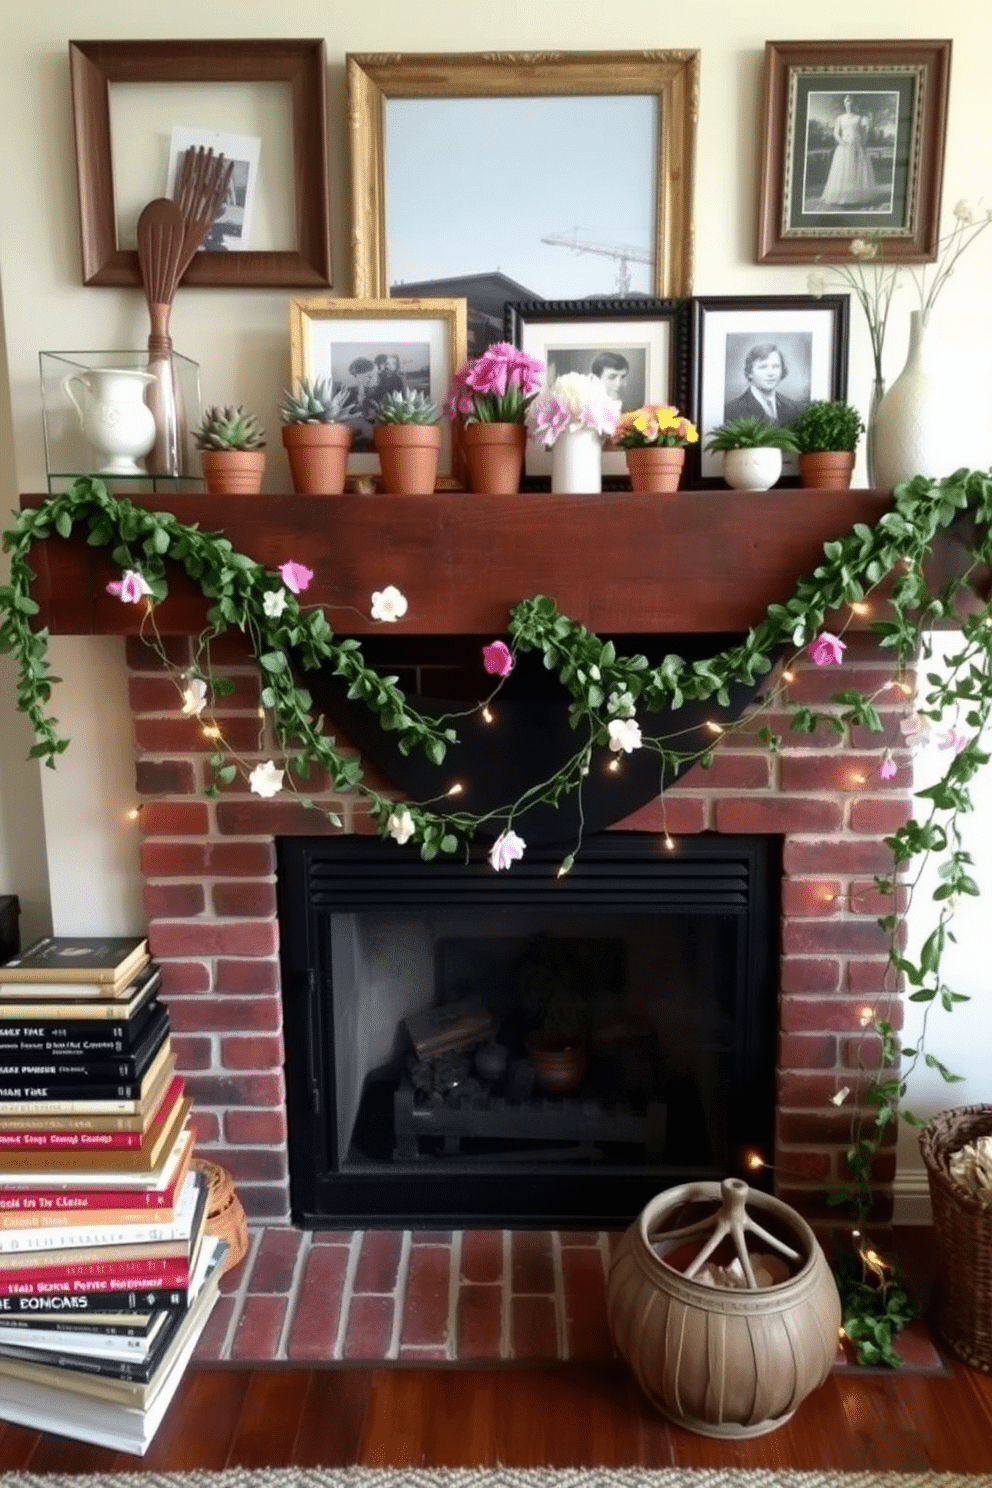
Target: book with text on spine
(93,960)
(84,1040)
(161,1069)
(134,1165)
(55,1139)
(71,1087)
(150,1227)
(138,1124)
(16,1014)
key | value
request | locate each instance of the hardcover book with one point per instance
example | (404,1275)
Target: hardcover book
(137,1124)
(75,1100)
(86,959)
(32,1011)
(55,1084)
(50,1169)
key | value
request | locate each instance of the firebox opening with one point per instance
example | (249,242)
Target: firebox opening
(471,1048)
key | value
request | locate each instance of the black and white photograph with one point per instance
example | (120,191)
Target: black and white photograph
(613,219)
(230,231)
(371,369)
(764,357)
(638,347)
(373,347)
(853,145)
(850,152)
(767,377)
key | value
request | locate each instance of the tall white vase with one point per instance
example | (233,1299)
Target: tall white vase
(577,462)
(912,432)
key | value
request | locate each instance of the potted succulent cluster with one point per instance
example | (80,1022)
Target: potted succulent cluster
(827,434)
(655,438)
(317,436)
(489,397)
(231,442)
(407,437)
(752,451)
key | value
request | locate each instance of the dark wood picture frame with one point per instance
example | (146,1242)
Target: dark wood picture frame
(632,311)
(95,65)
(827,376)
(910,79)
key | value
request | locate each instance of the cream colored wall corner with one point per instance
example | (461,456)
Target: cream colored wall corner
(240,338)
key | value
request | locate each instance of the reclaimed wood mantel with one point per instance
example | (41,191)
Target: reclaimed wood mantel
(695,561)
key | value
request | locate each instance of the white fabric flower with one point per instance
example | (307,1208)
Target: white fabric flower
(507,848)
(625,735)
(965,212)
(194,697)
(401,826)
(864,248)
(916,730)
(816,283)
(841,1095)
(274,602)
(266,780)
(388,604)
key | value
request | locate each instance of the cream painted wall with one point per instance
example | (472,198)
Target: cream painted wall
(240,337)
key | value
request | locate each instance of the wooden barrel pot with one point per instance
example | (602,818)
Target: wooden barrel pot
(722,1362)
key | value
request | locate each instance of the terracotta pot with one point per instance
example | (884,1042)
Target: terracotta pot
(830,470)
(560,1060)
(318,457)
(408,455)
(655,468)
(722,1362)
(494,454)
(233,472)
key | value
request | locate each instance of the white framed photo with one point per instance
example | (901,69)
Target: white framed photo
(230,231)
(638,347)
(765,356)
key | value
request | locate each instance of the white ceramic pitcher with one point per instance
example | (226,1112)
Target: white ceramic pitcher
(114,416)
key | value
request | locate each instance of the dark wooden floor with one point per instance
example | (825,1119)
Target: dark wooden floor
(562,1415)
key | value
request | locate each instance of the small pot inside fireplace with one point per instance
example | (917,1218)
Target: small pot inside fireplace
(415,995)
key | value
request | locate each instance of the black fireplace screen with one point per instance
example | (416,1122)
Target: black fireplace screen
(466,1047)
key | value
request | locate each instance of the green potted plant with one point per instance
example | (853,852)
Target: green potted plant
(231,442)
(655,438)
(752,451)
(407,436)
(316,436)
(827,433)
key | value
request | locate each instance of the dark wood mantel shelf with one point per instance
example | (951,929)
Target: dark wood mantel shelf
(704,561)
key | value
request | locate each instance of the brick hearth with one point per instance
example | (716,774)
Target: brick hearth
(210,898)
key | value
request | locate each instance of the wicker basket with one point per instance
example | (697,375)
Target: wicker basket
(225,1213)
(963,1223)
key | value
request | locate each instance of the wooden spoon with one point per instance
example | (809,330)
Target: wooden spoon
(161,233)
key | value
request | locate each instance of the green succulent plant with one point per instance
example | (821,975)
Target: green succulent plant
(827,425)
(407,407)
(317,402)
(751,433)
(230,427)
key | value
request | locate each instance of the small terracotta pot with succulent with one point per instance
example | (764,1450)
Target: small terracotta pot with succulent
(317,436)
(407,436)
(231,442)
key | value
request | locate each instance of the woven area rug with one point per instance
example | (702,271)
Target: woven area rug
(498,1477)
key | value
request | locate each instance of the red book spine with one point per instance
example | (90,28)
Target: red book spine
(78,1200)
(98,1276)
(68,1141)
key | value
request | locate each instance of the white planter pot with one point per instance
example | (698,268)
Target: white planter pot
(752,469)
(577,462)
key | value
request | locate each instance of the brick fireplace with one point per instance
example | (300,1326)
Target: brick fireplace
(210,896)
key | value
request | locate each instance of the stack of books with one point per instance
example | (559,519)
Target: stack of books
(107,1275)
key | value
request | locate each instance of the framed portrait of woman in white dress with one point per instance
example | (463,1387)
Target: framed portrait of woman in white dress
(853,147)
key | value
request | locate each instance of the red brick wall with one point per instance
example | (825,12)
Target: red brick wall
(209,869)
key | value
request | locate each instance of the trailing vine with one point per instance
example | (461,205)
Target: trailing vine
(606,691)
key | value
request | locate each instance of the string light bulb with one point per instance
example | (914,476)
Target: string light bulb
(669,843)
(487,716)
(613,766)
(211,731)
(456,789)
(714,728)
(788,676)
(867,1015)
(134,813)
(755,1161)
(860,608)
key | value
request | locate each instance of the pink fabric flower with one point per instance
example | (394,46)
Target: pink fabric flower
(952,738)
(497,659)
(296,576)
(507,848)
(131,589)
(915,729)
(827,649)
(547,418)
(888,767)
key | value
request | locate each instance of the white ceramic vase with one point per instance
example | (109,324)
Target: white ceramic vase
(911,428)
(114,416)
(577,462)
(752,469)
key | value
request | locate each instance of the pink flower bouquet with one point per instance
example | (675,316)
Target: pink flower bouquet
(496,387)
(655,426)
(576,400)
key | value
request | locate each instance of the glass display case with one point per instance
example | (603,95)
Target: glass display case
(122,415)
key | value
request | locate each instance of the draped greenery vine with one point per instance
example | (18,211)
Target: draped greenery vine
(606,691)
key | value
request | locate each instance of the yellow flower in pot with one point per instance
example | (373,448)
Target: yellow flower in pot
(317,436)
(407,437)
(231,442)
(827,433)
(655,438)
